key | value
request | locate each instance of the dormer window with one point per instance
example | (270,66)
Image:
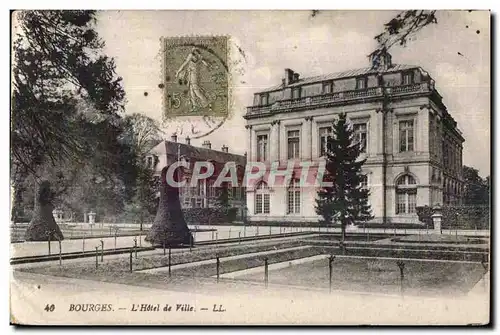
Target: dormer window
(296,93)
(360,83)
(263,99)
(327,88)
(407,78)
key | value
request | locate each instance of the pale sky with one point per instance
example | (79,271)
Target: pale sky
(330,42)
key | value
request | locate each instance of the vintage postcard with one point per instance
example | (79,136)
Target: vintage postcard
(310,167)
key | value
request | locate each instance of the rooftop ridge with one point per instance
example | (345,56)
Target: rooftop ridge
(339,75)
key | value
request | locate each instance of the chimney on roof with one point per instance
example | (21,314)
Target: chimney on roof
(188,140)
(295,77)
(225,148)
(174,137)
(206,144)
(288,76)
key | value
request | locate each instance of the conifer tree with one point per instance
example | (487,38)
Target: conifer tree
(346,199)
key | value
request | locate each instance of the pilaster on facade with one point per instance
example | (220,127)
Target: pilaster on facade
(275,140)
(250,144)
(307,138)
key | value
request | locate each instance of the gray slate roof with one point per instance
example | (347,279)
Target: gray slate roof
(339,75)
(197,153)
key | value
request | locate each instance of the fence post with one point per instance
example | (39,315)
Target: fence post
(401,266)
(60,253)
(102,251)
(239,237)
(229,234)
(169,261)
(48,234)
(217,264)
(96,257)
(266,271)
(164,251)
(257,232)
(115,240)
(140,240)
(330,268)
(269,230)
(135,246)
(212,235)
(130,262)
(83,251)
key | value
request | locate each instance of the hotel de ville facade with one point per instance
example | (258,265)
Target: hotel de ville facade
(412,145)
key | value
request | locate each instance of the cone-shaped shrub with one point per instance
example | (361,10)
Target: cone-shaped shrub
(43,225)
(169,225)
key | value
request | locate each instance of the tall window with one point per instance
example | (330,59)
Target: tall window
(237,192)
(293,144)
(360,83)
(360,135)
(364,181)
(262,199)
(212,193)
(407,78)
(406,135)
(296,93)
(293,198)
(324,132)
(406,195)
(261,148)
(149,163)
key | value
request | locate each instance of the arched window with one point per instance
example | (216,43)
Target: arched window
(406,195)
(293,197)
(262,199)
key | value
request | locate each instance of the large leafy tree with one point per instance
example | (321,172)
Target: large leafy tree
(223,200)
(142,134)
(346,199)
(476,189)
(65,104)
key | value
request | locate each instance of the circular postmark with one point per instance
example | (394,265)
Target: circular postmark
(195,84)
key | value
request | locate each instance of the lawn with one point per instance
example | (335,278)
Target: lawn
(379,276)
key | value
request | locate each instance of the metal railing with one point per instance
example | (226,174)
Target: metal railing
(318,100)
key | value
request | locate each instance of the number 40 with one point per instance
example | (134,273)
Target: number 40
(50,308)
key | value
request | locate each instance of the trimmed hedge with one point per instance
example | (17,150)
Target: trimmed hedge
(466,217)
(458,217)
(209,215)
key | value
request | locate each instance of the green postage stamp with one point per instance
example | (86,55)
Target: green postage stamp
(195,74)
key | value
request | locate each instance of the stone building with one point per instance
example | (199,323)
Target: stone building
(412,145)
(203,194)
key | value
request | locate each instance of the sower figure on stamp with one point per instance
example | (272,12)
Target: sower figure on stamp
(189,70)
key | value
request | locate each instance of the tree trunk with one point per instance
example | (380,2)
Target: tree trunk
(18,186)
(169,225)
(42,224)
